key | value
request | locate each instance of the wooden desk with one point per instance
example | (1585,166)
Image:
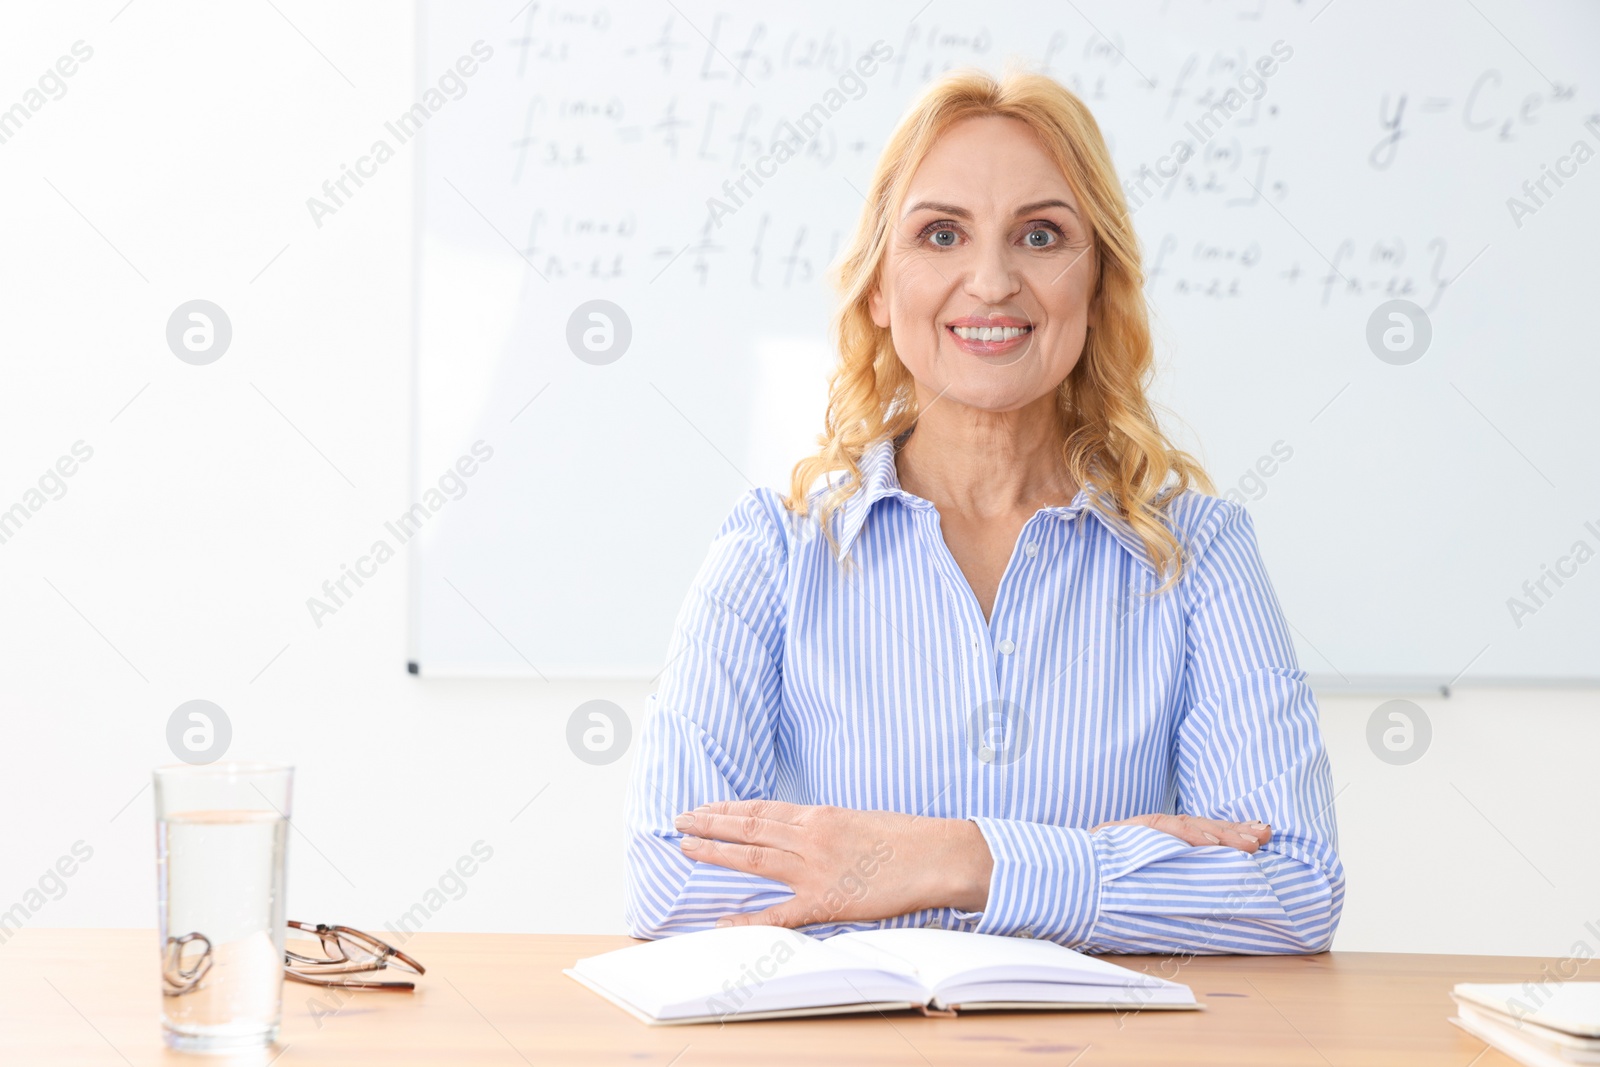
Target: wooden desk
(90,998)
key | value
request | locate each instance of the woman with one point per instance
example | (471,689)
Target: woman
(1010,673)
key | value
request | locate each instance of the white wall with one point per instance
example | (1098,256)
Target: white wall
(178,562)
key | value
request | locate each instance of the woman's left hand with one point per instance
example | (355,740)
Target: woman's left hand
(843,865)
(1199,831)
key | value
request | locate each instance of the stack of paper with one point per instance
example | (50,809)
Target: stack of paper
(1549,1024)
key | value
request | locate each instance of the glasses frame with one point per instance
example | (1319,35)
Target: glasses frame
(343,945)
(176,979)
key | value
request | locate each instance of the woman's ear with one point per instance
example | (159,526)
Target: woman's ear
(879,307)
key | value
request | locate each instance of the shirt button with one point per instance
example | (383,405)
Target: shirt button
(1030,550)
(985,754)
(933,924)
(1007,647)
(1026,931)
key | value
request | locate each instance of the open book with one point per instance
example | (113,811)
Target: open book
(768,972)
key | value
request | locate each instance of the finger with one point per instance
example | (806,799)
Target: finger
(740,829)
(774,810)
(1243,840)
(752,859)
(1121,822)
(1245,836)
(785,914)
(1200,831)
(1185,828)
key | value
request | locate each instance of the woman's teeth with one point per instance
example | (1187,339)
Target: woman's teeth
(989,333)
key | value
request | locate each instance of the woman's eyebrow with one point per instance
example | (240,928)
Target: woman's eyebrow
(1038,205)
(963,213)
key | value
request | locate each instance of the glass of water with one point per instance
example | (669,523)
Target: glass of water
(221,834)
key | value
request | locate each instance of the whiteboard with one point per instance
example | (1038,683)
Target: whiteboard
(1404,504)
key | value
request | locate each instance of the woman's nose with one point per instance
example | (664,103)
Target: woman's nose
(994,278)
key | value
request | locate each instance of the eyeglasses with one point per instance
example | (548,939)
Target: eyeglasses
(179,972)
(345,951)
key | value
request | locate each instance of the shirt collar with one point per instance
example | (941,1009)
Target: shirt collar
(880,479)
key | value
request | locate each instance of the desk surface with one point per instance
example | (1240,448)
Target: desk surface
(90,998)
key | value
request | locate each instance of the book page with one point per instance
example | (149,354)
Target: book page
(946,957)
(743,968)
(973,995)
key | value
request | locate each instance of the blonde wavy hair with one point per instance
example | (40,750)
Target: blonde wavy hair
(1112,439)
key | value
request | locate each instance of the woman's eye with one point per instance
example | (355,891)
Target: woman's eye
(945,236)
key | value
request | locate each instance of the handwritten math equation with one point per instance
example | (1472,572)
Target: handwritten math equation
(704,102)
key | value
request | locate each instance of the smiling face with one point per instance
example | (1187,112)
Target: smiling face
(986,283)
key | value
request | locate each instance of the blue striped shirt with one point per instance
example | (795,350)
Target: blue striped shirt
(1078,702)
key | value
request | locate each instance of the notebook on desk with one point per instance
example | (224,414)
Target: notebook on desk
(742,973)
(1555,1024)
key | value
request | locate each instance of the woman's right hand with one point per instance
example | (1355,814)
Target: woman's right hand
(1244,836)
